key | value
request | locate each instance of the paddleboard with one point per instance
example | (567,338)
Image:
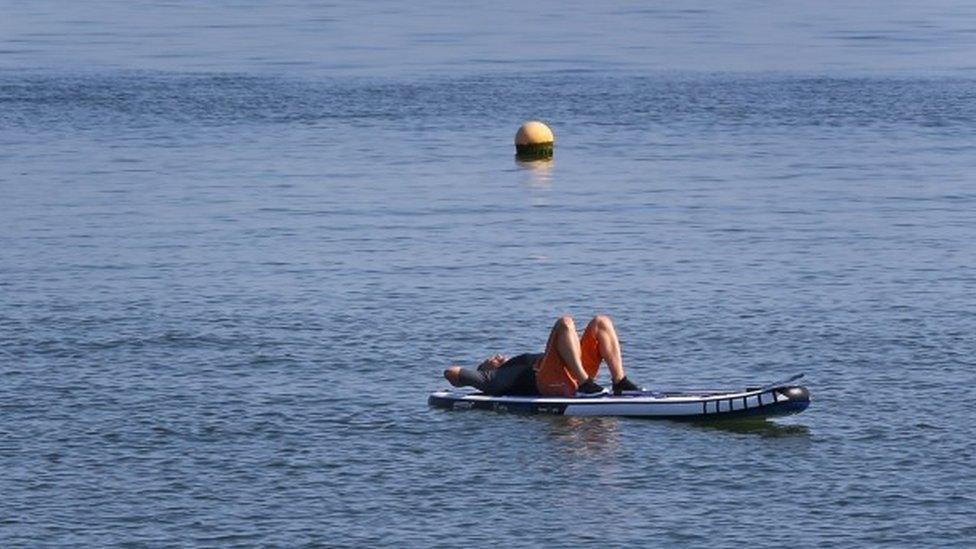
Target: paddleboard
(780,398)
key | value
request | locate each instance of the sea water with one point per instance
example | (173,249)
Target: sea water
(241,241)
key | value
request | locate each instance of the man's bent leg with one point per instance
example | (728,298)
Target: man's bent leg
(560,370)
(600,340)
(568,347)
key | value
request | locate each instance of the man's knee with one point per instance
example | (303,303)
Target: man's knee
(602,322)
(564,322)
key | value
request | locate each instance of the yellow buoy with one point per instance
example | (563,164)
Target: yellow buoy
(533,140)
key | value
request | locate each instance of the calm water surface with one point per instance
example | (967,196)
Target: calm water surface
(238,244)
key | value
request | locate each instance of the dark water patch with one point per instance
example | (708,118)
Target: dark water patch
(143,101)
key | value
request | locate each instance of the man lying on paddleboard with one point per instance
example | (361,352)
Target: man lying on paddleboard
(568,366)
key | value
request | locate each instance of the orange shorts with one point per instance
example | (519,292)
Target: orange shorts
(552,377)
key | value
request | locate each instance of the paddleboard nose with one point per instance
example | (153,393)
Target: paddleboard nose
(796,394)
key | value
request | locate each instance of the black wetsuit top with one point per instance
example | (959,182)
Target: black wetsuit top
(514,377)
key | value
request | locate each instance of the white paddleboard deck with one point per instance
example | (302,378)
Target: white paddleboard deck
(775,399)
